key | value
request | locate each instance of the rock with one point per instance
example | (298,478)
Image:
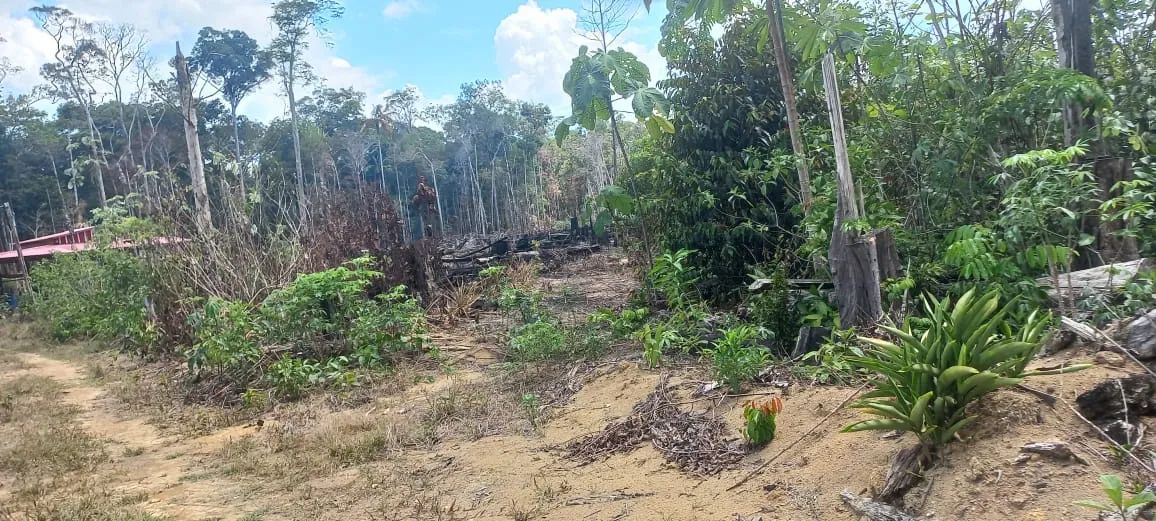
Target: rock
(1053,449)
(1109,358)
(1142,336)
(1021,459)
(1122,432)
(1119,398)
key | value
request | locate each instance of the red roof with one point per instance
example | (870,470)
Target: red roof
(50,245)
(66,237)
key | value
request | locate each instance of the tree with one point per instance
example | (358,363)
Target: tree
(296,20)
(78,61)
(719,10)
(237,65)
(203,215)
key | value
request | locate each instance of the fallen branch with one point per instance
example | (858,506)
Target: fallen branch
(873,510)
(608,498)
(1146,466)
(796,442)
(1092,334)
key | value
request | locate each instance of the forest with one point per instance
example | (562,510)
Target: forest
(923,231)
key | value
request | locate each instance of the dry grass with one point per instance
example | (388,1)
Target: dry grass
(458,301)
(39,438)
(472,411)
(82,505)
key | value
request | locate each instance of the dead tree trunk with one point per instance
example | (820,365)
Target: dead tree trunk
(202,215)
(783,64)
(853,257)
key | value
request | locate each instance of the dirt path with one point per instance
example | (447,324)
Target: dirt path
(144,461)
(392,457)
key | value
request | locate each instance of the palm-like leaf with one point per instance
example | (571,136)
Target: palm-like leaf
(930,377)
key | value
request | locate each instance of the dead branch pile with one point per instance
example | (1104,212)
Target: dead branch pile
(694,442)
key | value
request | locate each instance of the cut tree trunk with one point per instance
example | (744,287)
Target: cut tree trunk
(202,214)
(853,257)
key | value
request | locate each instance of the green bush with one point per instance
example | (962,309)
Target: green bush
(100,294)
(538,341)
(928,379)
(325,319)
(770,307)
(737,357)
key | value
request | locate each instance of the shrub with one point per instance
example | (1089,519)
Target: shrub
(736,357)
(325,319)
(100,294)
(759,421)
(771,307)
(538,341)
(929,378)
(673,276)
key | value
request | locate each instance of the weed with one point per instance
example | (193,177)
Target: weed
(538,341)
(736,357)
(1125,505)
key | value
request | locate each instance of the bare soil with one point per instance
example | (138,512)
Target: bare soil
(457,444)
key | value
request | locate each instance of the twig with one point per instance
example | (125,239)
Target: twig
(1075,327)
(800,438)
(1109,438)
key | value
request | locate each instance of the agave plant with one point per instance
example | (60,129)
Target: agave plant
(928,378)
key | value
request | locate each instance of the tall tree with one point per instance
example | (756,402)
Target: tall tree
(296,21)
(237,65)
(202,214)
(77,62)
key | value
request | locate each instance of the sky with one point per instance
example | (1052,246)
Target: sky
(377,46)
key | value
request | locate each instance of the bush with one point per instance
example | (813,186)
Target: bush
(538,341)
(771,307)
(759,421)
(326,320)
(100,295)
(736,357)
(930,377)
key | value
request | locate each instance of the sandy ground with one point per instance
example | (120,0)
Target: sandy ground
(492,464)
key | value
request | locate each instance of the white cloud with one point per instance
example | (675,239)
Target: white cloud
(535,46)
(400,9)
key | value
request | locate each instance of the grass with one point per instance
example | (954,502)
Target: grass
(48,455)
(39,437)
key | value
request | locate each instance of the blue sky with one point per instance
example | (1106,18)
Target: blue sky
(379,45)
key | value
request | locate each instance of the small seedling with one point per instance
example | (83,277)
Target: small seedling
(1124,504)
(760,421)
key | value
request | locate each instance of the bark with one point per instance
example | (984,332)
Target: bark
(202,214)
(1073,23)
(853,257)
(775,15)
(302,205)
(237,149)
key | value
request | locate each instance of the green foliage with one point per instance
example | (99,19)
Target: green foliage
(929,377)
(526,303)
(325,319)
(622,324)
(759,421)
(595,79)
(1134,205)
(100,294)
(736,357)
(771,307)
(673,276)
(1127,505)
(545,340)
(227,334)
(832,362)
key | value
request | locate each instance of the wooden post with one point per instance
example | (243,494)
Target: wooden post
(11,218)
(853,256)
